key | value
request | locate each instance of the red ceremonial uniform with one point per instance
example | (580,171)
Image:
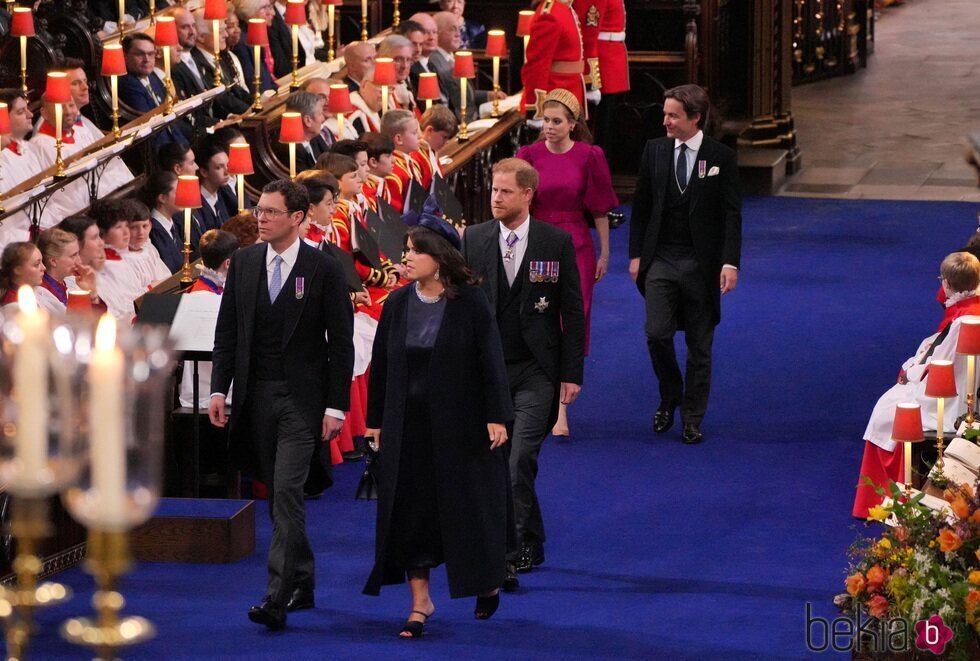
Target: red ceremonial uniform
(603,24)
(374,280)
(554,55)
(403,171)
(427,161)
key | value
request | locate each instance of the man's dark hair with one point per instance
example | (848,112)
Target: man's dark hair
(317,183)
(9,94)
(694,99)
(349,147)
(295,195)
(157,184)
(336,164)
(107,212)
(133,209)
(226,135)
(171,154)
(206,149)
(216,246)
(377,144)
(71,63)
(77,225)
(305,103)
(407,26)
(127,41)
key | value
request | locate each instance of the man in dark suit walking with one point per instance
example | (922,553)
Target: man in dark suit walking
(284,335)
(685,245)
(529,273)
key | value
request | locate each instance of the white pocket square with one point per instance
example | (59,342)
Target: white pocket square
(713,171)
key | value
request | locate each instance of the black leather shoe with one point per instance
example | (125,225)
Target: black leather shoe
(692,433)
(537,554)
(353,455)
(525,561)
(511,584)
(301,599)
(663,419)
(269,613)
(312,494)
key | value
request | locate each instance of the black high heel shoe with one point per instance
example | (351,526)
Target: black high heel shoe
(415,628)
(486,606)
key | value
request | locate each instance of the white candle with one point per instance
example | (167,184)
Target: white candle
(496,71)
(57,121)
(462,95)
(187,225)
(295,41)
(106,421)
(23,52)
(122,13)
(384,99)
(31,387)
(340,123)
(330,20)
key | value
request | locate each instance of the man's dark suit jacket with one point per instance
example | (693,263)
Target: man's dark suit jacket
(552,316)
(134,94)
(164,242)
(235,100)
(281,45)
(318,372)
(246,55)
(226,208)
(715,209)
(187,86)
(303,161)
(444,72)
(441,77)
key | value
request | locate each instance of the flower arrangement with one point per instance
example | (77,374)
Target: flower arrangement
(924,564)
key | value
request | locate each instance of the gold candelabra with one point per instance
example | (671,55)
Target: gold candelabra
(107,559)
(29,524)
(397,17)
(217,52)
(257,96)
(464,134)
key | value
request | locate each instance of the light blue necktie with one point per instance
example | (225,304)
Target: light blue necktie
(276,283)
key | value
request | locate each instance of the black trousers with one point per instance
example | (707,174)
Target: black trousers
(533,393)
(285,445)
(676,290)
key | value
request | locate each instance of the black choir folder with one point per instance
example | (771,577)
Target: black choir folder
(451,209)
(388,229)
(347,264)
(191,320)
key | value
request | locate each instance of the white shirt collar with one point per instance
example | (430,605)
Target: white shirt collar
(207,56)
(186,58)
(209,197)
(167,223)
(521,230)
(281,9)
(446,54)
(288,257)
(693,143)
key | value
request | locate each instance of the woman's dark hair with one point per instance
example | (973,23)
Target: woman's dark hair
(453,270)
(580,132)
(171,154)
(317,183)
(77,225)
(14,255)
(157,184)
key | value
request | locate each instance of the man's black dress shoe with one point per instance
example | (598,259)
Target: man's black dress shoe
(537,554)
(301,599)
(692,433)
(353,455)
(269,613)
(511,584)
(663,419)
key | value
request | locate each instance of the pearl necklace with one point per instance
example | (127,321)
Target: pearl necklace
(430,300)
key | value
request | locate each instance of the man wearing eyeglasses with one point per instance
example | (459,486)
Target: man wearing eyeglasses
(141,89)
(284,335)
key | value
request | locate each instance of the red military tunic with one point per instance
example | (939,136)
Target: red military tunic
(608,19)
(373,189)
(374,280)
(554,55)
(403,171)
(427,161)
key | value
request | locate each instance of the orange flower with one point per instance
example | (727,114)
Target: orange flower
(876,578)
(972,606)
(949,540)
(877,606)
(855,584)
(901,533)
(975,517)
(960,507)
(974,577)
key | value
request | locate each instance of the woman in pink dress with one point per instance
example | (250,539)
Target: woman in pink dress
(574,185)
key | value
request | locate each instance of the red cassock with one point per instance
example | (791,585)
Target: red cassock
(604,38)
(403,171)
(347,213)
(427,162)
(554,55)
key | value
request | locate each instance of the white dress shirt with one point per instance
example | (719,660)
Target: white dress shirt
(521,246)
(167,223)
(210,198)
(185,57)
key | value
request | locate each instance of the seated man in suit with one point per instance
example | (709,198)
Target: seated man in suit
(442,58)
(140,88)
(883,459)
(401,50)
(236,100)
(185,73)
(212,169)
(415,33)
(430,44)
(244,10)
(310,107)
(321,87)
(359,57)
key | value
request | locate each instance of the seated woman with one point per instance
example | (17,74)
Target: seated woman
(20,265)
(883,460)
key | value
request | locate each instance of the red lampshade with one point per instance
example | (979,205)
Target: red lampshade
(58,89)
(113,61)
(941,382)
(22,22)
(496,43)
(968,341)
(215,10)
(908,423)
(188,195)
(295,12)
(240,158)
(332,2)
(4,119)
(524,20)
(166,32)
(463,64)
(291,127)
(258,32)
(428,87)
(79,300)
(384,71)
(338,100)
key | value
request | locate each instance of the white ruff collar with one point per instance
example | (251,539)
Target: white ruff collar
(960,296)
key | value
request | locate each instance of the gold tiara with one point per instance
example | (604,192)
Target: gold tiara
(565,98)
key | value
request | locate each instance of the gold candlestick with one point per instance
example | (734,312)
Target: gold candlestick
(23,66)
(464,135)
(971,387)
(58,143)
(496,87)
(330,27)
(294,85)
(217,53)
(364,20)
(153,11)
(186,277)
(397,17)
(257,100)
(940,411)
(107,559)
(29,524)
(168,83)
(114,83)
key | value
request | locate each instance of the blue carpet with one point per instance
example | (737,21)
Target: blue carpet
(657,550)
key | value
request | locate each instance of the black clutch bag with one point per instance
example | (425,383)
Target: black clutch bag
(367,488)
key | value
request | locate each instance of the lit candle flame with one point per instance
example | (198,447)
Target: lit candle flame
(26,300)
(105,334)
